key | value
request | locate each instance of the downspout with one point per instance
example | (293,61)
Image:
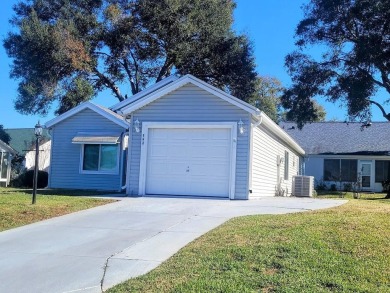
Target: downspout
(123,134)
(50,131)
(254,125)
(259,121)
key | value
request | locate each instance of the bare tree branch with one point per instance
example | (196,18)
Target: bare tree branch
(109,84)
(387,116)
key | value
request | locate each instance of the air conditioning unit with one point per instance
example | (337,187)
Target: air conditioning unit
(303,186)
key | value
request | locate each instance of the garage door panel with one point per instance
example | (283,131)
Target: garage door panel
(188,161)
(166,185)
(177,151)
(163,168)
(210,151)
(158,150)
(219,170)
(214,188)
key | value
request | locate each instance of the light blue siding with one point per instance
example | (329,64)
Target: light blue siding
(65,157)
(192,104)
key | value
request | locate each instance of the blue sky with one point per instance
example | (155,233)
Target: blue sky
(270,25)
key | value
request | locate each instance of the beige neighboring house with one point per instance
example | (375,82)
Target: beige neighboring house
(6,153)
(44,157)
(23,142)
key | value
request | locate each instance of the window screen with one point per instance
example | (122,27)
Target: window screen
(349,170)
(382,171)
(331,170)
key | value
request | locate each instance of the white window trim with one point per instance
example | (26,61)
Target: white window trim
(103,172)
(144,147)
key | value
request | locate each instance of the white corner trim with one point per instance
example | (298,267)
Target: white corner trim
(188,125)
(183,81)
(83,106)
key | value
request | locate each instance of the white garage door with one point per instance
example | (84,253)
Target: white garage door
(188,161)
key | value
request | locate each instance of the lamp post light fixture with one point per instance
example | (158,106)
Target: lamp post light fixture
(137,126)
(241,128)
(38,133)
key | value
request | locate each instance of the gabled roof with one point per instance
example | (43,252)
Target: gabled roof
(142,101)
(6,147)
(105,112)
(341,137)
(23,139)
(145,92)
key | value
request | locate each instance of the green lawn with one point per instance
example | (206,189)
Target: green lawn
(16,208)
(343,249)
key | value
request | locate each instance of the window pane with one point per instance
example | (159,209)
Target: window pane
(331,170)
(108,157)
(91,157)
(349,170)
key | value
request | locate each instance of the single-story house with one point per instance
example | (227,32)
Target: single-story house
(23,142)
(180,136)
(6,153)
(342,153)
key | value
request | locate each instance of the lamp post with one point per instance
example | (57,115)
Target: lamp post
(38,134)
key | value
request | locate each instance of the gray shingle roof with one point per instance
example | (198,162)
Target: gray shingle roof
(341,137)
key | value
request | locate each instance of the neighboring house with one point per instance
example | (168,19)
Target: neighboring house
(180,136)
(342,153)
(23,142)
(6,153)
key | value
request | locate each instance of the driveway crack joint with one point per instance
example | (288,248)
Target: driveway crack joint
(104,272)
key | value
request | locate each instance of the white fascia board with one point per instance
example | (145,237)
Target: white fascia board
(270,124)
(83,106)
(183,81)
(6,147)
(143,93)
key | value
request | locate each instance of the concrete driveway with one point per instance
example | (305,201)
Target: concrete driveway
(92,250)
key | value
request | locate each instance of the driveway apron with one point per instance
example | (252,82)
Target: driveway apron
(95,249)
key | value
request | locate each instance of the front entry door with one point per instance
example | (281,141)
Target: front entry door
(365,169)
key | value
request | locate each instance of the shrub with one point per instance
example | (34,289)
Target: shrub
(28,179)
(333,187)
(347,186)
(320,185)
(386,187)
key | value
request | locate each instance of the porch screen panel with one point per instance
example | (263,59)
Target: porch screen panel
(331,169)
(382,171)
(349,170)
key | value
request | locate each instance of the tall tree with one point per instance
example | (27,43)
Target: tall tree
(355,37)
(267,96)
(69,50)
(319,113)
(4,136)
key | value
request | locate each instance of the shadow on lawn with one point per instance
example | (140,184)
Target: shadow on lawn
(377,198)
(63,192)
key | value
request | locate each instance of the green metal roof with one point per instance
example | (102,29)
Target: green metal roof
(23,139)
